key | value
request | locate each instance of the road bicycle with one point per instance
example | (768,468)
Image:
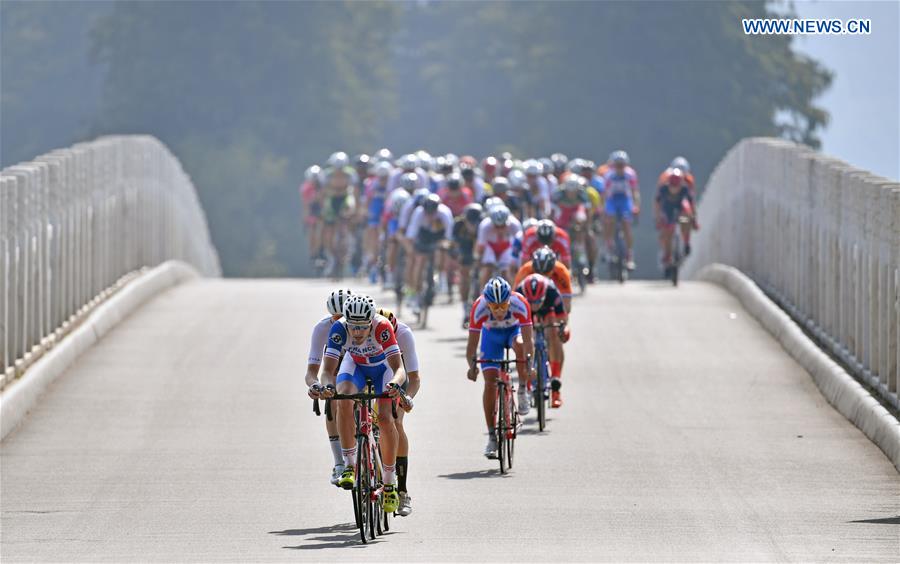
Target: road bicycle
(616,261)
(676,250)
(369,487)
(506,416)
(541,391)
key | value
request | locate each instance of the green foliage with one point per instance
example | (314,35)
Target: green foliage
(49,89)
(248,94)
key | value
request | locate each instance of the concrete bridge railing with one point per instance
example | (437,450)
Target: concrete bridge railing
(820,237)
(76,222)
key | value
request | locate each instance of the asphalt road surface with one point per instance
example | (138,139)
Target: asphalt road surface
(687,434)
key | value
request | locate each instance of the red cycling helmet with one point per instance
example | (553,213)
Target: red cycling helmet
(489,166)
(534,288)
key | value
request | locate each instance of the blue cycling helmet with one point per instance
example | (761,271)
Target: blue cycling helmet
(497,290)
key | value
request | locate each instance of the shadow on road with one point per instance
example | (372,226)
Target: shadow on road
(462,339)
(882,521)
(492,473)
(348,536)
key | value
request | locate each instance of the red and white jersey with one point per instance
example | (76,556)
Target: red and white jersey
(562,245)
(498,238)
(375,349)
(518,313)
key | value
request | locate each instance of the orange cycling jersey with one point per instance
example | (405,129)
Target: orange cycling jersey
(560,276)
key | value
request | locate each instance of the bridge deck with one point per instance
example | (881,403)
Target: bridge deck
(687,434)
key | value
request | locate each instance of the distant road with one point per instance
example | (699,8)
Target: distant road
(687,434)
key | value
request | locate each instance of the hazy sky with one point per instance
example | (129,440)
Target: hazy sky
(864,99)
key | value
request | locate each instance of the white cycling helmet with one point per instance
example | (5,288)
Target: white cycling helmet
(533,167)
(383,169)
(682,164)
(338,160)
(359,309)
(312,173)
(500,216)
(335,302)
(492,203)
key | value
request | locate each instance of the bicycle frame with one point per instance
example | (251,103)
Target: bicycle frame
(506,417)
(368,488)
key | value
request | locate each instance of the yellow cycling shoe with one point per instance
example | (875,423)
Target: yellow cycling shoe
(347,479)
(391,499)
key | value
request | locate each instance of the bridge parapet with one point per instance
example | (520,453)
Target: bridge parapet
(822,238)
(76,223)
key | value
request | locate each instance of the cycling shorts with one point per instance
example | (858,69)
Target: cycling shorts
(501,255)
(494,343)
(376,208)
(620,205)
(379,374)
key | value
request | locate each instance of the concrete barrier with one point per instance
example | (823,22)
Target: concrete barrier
(21,395)
(840,389)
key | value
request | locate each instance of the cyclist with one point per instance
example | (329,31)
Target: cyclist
(430,228)
(370,351)
(376,195)
(559,161)
(546,233)
(390,224)
(465,232)
(547,306)
(407,343)
(672,200)
(684,166)
(494,245)
(455,195)
(543,261)
(537,191)
(472,181)
(516,197)
(339,208)
(311,195)
(623,200)
(500,319)
(406,165)
(334,304)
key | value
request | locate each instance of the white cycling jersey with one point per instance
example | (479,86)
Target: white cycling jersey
(443,219)
(407,347)
(319,340)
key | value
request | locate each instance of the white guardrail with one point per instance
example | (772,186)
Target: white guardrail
(76,223)
(821,238)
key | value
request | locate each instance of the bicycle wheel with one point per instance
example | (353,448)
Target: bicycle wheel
(362,489)
(379,518)
(540,399)
(501,425)
(512,426)
(676,257)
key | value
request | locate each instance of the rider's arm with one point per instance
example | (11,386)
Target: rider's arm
(412,230)
(312,374)
(396,365)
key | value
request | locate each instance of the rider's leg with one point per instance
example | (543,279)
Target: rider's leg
(686,235)
(591,245)
(557,354)
(629,240)
(465,274)
(390,440)
(666,234)
(609,230)
(489,397)
(346,423)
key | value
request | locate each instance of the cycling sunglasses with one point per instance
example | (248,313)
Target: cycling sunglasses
(358,327)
